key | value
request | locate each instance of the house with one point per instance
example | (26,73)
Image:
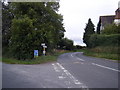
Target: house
(117,16)
(105,20)
(109,19)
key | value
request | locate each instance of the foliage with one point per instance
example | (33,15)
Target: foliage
(7,17)
(33,24)
(111,29)
(22,42)
(79,47)
(108,52)
(66,44)
(89,30)
(39,60)
(98,27)
(104,40)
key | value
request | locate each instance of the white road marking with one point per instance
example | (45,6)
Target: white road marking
(77,57)
(71,55)
(71,76)
(61,66)
(80,59)
(61,77)
(55,68)
(105,67)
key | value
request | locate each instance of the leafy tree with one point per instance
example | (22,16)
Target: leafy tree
(79,47)
(33,24)
(22,42)
(7,17)
(89,30)
(66,44)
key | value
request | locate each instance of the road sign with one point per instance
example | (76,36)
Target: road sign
(35,53)
(42,44)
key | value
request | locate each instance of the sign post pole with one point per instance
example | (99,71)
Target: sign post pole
(43,44)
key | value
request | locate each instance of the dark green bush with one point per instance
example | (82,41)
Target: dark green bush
(111,29)
(104,40)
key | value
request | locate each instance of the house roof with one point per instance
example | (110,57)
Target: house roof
(109,19)
(117,16)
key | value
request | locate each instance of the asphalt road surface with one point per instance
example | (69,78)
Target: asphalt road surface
(72,70)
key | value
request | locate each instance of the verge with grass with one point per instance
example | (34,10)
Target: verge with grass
(103,52)
(38,60)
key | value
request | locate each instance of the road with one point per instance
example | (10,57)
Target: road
(72,70)
(93,72)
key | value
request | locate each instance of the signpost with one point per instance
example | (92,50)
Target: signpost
(43,44)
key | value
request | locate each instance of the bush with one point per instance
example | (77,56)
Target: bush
(108,52)
(111,29)
(23,42)
(104,40)
(106,49)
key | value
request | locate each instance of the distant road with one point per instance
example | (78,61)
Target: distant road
(72,70)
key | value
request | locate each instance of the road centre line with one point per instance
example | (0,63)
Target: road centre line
(105,67)
(80,59)
(77,58)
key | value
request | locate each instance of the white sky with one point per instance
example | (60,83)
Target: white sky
(77,12)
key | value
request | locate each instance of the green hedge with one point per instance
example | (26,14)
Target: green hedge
(104,40)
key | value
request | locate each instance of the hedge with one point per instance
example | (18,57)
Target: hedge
(104,40)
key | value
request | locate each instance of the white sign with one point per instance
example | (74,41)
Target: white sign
(43,44)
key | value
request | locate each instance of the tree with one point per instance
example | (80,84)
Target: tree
(22,42)
(98,27)
(33,24)
(66,44)
(89,30)
(7,17)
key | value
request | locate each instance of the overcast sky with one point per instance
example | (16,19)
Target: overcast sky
(77,12)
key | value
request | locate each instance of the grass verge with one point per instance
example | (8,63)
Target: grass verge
(38,60)
(103,52)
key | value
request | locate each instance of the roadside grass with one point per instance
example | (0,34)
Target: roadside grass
(103,52)
(39,60)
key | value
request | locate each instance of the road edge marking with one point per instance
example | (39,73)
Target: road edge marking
(105,67)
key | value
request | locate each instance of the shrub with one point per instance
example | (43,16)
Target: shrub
(111,29)
(104,40)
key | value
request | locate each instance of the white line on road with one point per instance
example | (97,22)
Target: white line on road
(71,76)
(80,59)
(71,55)
(55,68)
(105,67)
(77,57)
